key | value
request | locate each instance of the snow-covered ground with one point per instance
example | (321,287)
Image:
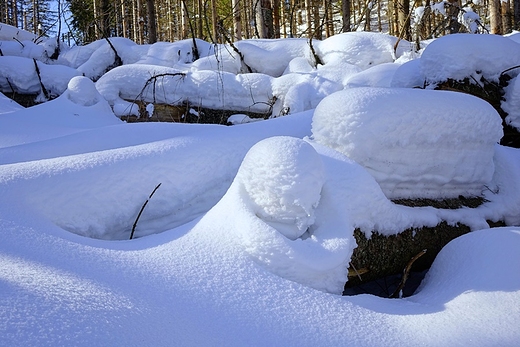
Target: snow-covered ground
(248,238)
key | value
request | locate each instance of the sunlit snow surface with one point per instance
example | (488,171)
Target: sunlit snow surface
(248,238)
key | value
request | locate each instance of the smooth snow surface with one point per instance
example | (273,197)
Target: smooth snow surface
(423,153)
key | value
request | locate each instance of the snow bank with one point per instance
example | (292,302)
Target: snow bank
(103,56)
(416,143)
(363,49)
(377,76)
(74,111)
(271,57)
(467,55)
(211,89)
(9,32)
(297,92)
(61,189)
(171,54)
(19,73)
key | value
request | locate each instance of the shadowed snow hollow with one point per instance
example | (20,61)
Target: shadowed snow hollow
(416,143)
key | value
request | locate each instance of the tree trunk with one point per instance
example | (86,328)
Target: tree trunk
(494,17)
(345,7)
(516,14)
(237,20)
(506,17)
(152,24)
(404,20)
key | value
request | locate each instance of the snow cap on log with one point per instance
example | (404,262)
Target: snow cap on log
(416,143)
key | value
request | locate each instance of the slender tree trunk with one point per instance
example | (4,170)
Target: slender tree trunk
(506,17)
(237,20)
(308,16)
(516,14)
(494,17)
(404,20)
(105,19)
(152,24)
(214,19)
(276,19)
(345,7)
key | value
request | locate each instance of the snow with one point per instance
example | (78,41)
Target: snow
(422,154)
(19,74)
(468,56)
(248,239)
(363,49)
(511,103)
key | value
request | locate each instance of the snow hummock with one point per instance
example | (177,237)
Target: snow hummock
(283,178)
(362,49)
(459,56)
(423,153)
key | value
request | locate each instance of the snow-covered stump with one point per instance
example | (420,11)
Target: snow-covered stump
(480,65)
(417,144)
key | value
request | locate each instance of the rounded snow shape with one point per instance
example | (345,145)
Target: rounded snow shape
(363,49)
(459,56)
(416,143)
(82,91)
(283,177)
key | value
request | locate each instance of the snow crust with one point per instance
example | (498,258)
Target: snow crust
(422,154)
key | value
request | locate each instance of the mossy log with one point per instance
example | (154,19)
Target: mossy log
(380,256)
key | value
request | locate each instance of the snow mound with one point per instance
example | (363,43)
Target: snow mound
(408,75)
(9,32)
(377,76)
(469,55)
(363,49)
(211,89)
(416,143)
(490,253)
(283,177)
(271,57)
(293,226)
(102,57)
(82,91)
(19,74)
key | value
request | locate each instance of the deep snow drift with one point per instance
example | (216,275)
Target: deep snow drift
(248,239)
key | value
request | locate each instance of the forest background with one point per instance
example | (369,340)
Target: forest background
(223,21)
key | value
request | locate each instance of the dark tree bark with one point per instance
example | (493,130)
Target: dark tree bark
(345,7)
(152,24)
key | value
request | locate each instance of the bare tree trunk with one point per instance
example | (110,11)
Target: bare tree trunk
(214,20)
(237,20)
(308,16)
(345,7)
(516,14)
(184,21)
(105,18)
(404,20)
(506,17)
(276,19)
(494,17)
(152,24)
